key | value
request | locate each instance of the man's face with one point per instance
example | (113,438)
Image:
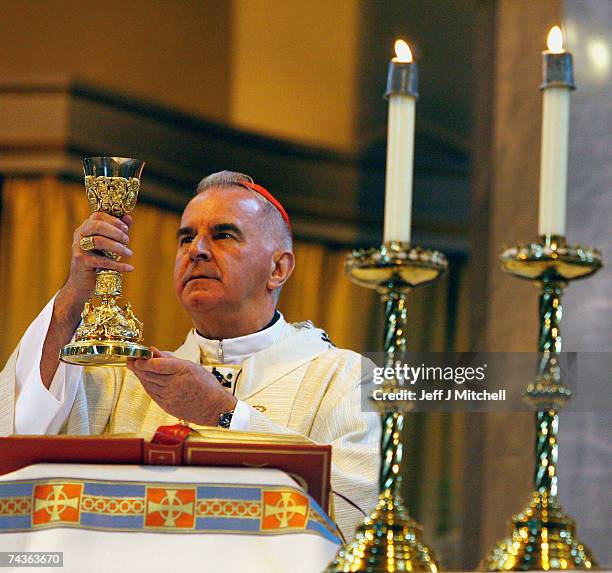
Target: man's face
(222,261)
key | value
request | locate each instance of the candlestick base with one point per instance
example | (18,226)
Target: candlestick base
(388,540)
(543,538)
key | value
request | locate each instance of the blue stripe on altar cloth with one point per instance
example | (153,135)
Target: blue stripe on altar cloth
(229,492)
(321,529)
(329,530)
(110,489)
(227,524)
(110,522)
(16,489)
(16,522)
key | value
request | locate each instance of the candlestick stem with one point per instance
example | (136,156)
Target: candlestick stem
(547,452)
(551,311)
(396,314)
(547,420)
(393,422)
(391,448)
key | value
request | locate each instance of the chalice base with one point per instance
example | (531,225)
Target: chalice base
(103,352)
(388,540)
(543,539)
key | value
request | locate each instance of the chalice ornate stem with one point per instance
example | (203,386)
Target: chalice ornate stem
(389,539)
(108,334)
(543,537)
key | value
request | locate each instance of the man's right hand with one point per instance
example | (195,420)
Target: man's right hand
(109,234)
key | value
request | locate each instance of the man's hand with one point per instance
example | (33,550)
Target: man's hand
(108,233)
(183,389)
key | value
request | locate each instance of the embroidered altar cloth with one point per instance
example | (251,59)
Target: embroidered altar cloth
(153,518)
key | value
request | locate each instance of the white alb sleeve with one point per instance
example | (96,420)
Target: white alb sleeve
(40,411)
(241,420)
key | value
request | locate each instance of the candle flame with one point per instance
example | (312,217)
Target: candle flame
(555,40)
(402,51)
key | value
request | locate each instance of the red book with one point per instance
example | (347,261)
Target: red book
(308,463)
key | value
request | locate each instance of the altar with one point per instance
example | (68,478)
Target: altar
(164,518)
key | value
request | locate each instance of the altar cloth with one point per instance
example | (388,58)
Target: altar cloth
(152,518)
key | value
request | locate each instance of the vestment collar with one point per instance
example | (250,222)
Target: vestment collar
(236,350)
(297,344)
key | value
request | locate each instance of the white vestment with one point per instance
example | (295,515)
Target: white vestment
(298,384)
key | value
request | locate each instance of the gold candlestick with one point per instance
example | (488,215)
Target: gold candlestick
(389,539)
(108,334)
(543,536)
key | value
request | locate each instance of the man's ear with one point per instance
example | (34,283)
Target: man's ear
(282,265)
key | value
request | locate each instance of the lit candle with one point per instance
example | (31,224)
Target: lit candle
(558,81)
(402,91)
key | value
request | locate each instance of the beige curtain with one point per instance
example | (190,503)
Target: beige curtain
(37,222)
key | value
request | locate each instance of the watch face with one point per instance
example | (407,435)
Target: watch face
(225,420)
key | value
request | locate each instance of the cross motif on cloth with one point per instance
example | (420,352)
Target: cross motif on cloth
(284,510)
(56,502)
(170,508)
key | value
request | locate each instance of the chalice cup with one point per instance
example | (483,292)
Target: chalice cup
(108,334)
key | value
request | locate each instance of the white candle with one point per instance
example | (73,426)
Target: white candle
(558,81)
(402,84)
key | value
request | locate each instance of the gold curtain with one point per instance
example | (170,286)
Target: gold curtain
(39,216)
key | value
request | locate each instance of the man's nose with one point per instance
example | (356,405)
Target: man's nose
(199,249)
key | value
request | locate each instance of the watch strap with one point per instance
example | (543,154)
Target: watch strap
(225,419)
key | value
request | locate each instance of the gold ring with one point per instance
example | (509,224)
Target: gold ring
(87,243)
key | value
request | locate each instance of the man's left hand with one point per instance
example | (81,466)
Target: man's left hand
(182,388)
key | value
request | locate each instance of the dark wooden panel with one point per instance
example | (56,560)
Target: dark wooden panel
(335,197)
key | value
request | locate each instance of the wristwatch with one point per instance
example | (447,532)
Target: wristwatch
(225,419)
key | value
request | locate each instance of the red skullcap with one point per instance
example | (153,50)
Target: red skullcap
(265,193)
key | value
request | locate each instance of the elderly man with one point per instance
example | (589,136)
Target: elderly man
(242,366)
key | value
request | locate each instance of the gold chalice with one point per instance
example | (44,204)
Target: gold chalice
(108,334)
